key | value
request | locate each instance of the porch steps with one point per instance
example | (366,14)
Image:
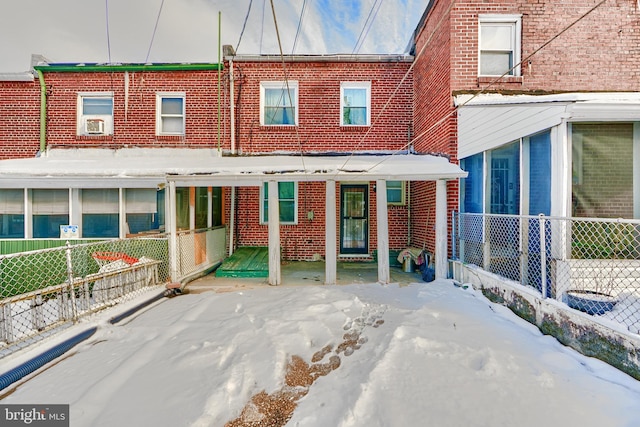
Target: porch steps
(247,261)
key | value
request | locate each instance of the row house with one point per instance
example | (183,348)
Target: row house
(540,103)
(308,155)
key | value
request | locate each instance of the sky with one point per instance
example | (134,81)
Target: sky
(427,354)
(140,31)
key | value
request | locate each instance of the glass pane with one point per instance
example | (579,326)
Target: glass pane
(394,191)
(496,36)
(202,207)
(355,97)
(472,200)
(287,211)
(97,106)
(286,190)
(354,204)
(279,97)
(182,208)
(48,226)
(354,116)
(540,174)
(279,116)
(505,179)
(99,225)
(50,201)
(603,170)
(172,125)
(140,222)
(12,226)
(353,233)
(496,63)
(171,106)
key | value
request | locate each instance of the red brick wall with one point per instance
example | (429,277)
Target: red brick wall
(601,52)
(135,126)
(19,119)
(319,107)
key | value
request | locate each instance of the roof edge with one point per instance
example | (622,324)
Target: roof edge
(84,67)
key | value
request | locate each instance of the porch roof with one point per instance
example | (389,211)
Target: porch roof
(138,167)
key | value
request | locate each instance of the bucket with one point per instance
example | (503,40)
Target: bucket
(407,265)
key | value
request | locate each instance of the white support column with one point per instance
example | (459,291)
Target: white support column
(209,207)
(383,231)
(171,220)
(122,214)
(274,234)
(441,230)
(331,265)
(232,219)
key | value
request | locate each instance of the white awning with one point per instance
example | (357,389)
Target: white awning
(143,168)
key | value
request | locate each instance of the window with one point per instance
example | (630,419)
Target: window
(288,202)
(100,213)
(95,114)
(396,192)
(50,210)
(12,214)
(279,103)
(499,41)
(141,206)
(355,103)
(170,114)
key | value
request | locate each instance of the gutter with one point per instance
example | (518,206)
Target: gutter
(43,112)
(85,68)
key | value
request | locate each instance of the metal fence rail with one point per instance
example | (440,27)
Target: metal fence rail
(590,264)
(42,291)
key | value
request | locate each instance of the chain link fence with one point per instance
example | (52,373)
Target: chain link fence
(590,264)
(45,290)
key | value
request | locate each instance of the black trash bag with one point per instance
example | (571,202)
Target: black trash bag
(428,273)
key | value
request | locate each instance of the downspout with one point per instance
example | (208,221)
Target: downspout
(219,82)
(232,127)
(43,113)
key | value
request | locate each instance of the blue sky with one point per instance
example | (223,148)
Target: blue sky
(187,30)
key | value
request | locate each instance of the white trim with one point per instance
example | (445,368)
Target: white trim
(263,198)
(515,22)
(159,116)
(82,119)
(292,85)
(356,85)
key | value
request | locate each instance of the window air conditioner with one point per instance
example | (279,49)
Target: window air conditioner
(94,126)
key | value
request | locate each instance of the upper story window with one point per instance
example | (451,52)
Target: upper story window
(355,103)
(170,114)
(287,202)
(499,45)
(279,103)
(95,113)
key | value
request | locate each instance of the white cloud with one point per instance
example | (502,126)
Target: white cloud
(76,30)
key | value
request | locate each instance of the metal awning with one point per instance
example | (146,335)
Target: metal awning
(140,168)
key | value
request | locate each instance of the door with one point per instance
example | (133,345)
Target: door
(354,215)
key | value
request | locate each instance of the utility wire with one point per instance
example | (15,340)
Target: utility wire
(295,41)
(490,84)
(367,26)
(286,79)
(153,36)
(244,25)
(106,7)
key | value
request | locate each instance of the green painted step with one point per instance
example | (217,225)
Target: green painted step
(246,261)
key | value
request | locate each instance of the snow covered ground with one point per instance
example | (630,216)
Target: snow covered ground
(428,354)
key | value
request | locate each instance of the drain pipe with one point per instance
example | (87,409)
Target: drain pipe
(43,113)
(39,361)
(232,118)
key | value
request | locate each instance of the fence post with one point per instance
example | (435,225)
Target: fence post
(72,291)
(453,235)
(6,323)
(543,256)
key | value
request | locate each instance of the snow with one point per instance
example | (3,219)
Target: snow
(423,354)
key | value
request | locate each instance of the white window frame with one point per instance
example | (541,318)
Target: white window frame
(295,205)
(515,23)
(355,85)
(81,118)
(159,116)
(292,85)
(403,193)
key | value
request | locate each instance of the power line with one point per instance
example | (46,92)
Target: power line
(244,25)
(153,36)
(295,41)
(106,7)
(367,25)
